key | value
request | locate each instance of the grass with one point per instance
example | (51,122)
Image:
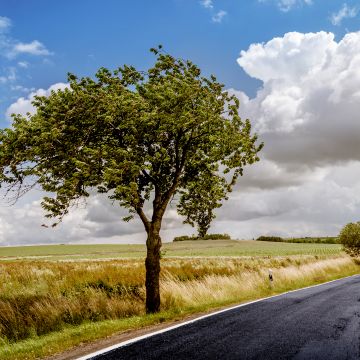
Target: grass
(183,248)
(47,306)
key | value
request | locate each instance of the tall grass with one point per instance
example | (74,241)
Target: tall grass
(251,283)
(37,298)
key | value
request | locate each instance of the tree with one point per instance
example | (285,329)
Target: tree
(349,237)
(139,137)
(199,200)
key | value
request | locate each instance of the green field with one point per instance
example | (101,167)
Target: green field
(201,248)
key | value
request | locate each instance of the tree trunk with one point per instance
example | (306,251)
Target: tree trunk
(152,265)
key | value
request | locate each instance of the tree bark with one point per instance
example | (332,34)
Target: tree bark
(152,265)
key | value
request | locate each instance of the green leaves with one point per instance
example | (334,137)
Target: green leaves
(349,237)
(135,136)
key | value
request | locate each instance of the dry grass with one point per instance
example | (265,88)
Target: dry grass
(37,297)
(251,282)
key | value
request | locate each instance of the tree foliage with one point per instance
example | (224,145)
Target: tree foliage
(136,136)
(199,200)
(349,237)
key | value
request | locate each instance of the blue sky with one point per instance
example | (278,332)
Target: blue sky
(294,64)
(83,35)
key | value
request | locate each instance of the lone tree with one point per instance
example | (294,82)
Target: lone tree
(139,137)
(349,237)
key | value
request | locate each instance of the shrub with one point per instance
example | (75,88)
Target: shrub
(206,237)
(270,238)
(216,237)
(350,238)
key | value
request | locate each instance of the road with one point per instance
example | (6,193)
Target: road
(321,322)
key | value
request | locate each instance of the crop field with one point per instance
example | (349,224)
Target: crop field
(65,295)
(184,248)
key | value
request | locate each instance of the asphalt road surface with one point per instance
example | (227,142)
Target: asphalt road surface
(317,323)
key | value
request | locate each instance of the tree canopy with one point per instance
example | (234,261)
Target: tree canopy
(349,237)
(137,136)
(199,200)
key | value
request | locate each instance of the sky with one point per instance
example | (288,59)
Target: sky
(294,64)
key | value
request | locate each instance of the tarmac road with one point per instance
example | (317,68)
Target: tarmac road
(321,322)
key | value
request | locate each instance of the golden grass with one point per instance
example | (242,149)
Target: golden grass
(39,299)
(250,283)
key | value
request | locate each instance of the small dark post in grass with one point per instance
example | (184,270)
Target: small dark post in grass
(271,279)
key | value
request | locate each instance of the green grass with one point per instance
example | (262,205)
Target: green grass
(185,248)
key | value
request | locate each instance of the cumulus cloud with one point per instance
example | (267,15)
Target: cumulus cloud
(96,220)
(309,98)
(23,105)
(343,13)
(306,113)
(315,208)
(34,48)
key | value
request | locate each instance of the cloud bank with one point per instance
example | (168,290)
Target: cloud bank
(306,113)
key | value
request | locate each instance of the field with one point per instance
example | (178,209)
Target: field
(65,295)
(183,248)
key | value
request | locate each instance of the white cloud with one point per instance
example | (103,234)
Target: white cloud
(23,64)
(309,99)
(9,76)
(287,5)
(23,105)
(207,4)
(5,23)
(11,48)
(33,48)
(218,17)
(307,182)
(21,88)
(343,13)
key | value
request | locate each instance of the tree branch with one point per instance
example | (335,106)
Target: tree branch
(143,218)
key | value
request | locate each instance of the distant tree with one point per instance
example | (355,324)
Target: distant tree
(349,237)
(199,200)
(140,137)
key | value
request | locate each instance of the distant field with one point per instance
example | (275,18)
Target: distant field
(184,248)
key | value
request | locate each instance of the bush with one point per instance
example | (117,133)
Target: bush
(314,240)
(270,238)
(206,237)
(350,238)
